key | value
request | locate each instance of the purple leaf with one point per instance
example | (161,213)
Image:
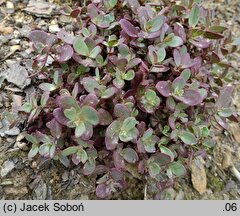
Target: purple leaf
(178,83)
(118,159)
(177,57)
(39,37)
(105,117)
(130,155)
(103,190)
(164,88)
(88,168)
(190,97)
(121,111)
(225,97)
(65,36)
(179,31)
(55,128)
(60,117)
(134,4)
(221,121)
(128,28)
(90,100)
(92,11)
(64,53)
(200,43)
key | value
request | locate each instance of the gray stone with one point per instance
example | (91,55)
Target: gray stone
(40,8)
(18,75)
(7,167)
(41,191)
(13,131)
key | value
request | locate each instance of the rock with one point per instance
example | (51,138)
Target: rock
(4,127)
(18,75)
(7,167)
(54,28)
(40,8)
(180,195)
(16,191)
(198,175)
(41,190)
(6,29)
(13,131)
(65,175)
(10,7)
(17,102)
(20,137)
(227,159)
(235,129)
(14,42)
(22,146)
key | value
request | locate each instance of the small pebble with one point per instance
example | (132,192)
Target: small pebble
(7,167)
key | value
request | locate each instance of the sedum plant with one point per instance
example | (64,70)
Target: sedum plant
(135,90)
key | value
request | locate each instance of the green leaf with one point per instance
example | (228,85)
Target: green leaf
(80,129)
(85,32)
(71,114)
(209,143)
(82,154)
(33,152)
(27,107)
(128,124)
(188,138)
(177,169)
(95,52)
(44,149)
(109,4)
(167,151)
(178,85)
(173,40)
(150,95)
(225,112)
(154,24)
(90,115)
(161,54)
(130,155)
(129,75)
(113,129)
(100,60)
(213,35)
(90,84)
(186,74)
(194,16)
(80,46)
(47,86)
(217,29)
(170,102)
(108,93)
(31,138)
(147,134)
(205,131)
(153,169)
(126,136)
(67,102)
(56,77)
(69,151)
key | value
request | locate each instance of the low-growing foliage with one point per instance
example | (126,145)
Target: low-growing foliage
(134,88)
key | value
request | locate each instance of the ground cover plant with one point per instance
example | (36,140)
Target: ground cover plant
(135,90)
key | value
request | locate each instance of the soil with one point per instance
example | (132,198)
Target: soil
(24,179)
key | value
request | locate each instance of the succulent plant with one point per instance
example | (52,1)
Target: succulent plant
(134,90)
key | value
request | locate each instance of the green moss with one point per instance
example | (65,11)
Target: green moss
(214,182)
